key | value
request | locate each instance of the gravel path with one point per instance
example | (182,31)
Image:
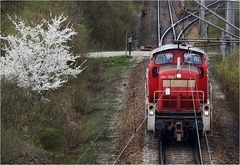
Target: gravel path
(131,117)
(134,53)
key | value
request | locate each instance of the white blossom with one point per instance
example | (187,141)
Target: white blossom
(38,57)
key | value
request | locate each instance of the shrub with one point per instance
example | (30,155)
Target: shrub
(229,72)
(15,150)
(51,138)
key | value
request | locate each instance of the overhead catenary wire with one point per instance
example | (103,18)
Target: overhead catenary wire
(204,31)
(193,21)
(205,134)
(194,38)
(174,12)
(171,18)
(218,16)
(181,20)
(195,115)
(209,41)
(233,35)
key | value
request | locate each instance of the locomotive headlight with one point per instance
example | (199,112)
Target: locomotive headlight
(151,112)
(206,113)
(179,75)
(206,109)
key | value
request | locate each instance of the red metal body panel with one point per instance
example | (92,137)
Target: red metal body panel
(177,100)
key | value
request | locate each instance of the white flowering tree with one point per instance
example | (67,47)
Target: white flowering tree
(38,56)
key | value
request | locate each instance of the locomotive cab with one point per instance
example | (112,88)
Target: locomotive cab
(177,92)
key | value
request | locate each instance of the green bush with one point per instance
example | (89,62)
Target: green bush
(51,138)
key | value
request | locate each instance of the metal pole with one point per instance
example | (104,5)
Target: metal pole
(126,42)
(229,18)
(130,45)
(201,23)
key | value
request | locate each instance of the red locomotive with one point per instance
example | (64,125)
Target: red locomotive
(178,97)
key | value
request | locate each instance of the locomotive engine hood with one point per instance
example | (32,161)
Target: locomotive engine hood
(177,87)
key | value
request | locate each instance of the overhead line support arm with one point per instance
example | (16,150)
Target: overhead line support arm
(214,25)
(217,15)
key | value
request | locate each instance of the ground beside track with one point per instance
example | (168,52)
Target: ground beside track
(131,116)
(224,142)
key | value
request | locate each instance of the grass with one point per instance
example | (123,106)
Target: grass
(59,131)
(114,64)
(96,121)
(227,73)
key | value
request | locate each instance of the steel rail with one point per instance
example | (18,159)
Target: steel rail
(179,21)
(171,18)
(217,15)
(193,21)
(158,22)
(161,151)
(233,35)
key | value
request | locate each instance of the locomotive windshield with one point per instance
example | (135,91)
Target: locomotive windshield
(192,58)
(163,58)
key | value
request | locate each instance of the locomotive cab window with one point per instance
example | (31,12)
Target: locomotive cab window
(163,58)
(193,58)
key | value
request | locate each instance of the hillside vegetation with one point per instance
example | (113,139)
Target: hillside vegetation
(58,131)
(100,25)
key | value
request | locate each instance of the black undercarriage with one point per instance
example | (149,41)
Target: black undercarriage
(170,124)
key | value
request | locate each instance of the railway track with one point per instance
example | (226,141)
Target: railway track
(186,152)
(158,151)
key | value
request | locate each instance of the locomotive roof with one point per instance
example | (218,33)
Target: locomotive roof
(177,46)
